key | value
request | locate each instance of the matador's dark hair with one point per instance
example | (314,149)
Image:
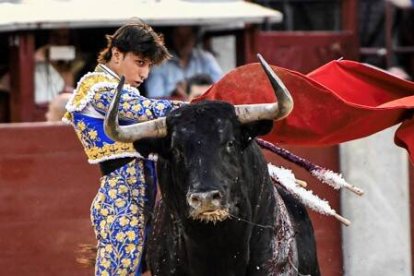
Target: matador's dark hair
(138,38)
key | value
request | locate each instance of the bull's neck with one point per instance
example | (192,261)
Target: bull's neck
(220,249)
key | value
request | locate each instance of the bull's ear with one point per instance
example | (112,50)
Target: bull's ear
(147,146)
(254,129)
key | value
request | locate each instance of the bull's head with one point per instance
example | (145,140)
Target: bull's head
(204,147)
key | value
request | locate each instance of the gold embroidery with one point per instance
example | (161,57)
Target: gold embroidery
(67,117)
(96,153)
(82,91)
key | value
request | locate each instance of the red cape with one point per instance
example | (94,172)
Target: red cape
(338,102)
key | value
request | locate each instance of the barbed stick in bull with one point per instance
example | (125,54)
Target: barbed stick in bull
(287,179)
(324,175)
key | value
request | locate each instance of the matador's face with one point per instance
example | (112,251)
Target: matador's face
(135,68)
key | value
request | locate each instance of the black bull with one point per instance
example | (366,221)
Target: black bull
(220,213)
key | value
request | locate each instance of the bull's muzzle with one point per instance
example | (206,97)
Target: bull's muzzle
(207,206)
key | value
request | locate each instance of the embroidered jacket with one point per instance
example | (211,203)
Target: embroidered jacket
(89,103)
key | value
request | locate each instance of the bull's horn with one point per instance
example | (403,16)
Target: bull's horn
(270,111)
(130,133)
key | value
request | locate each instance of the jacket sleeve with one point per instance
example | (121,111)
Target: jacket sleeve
(133,107)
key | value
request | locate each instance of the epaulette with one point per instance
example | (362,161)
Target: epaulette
(86,88)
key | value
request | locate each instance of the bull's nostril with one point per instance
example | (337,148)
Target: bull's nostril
(216,195)
(194,200)
(205,199)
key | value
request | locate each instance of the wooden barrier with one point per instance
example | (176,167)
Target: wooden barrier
(46,188)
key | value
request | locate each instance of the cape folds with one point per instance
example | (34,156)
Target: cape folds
(340,101)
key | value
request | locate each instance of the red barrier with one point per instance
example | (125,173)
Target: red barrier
(46,188)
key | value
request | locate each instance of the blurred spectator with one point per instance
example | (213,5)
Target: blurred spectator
(56,108)
(48,82)
(187,61)
(188,89)
(64,55)
(398,72)
(56,64)
(382,24)
(197,85)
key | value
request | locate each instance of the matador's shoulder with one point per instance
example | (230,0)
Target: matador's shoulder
(86,88)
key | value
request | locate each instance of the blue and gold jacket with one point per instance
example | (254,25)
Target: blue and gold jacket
(90,101)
